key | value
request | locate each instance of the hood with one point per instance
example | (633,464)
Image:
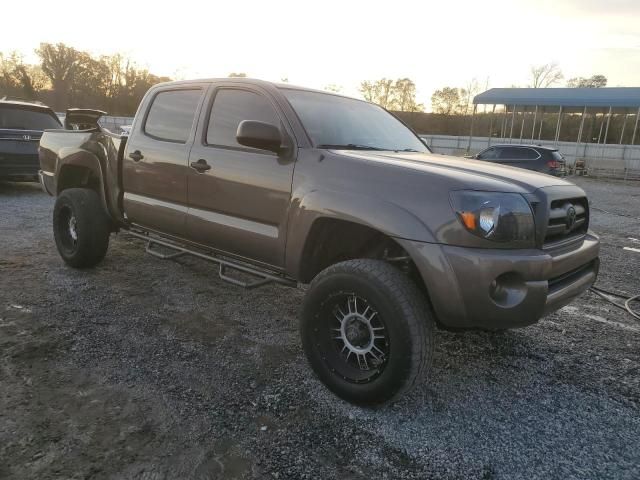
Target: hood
(468,173)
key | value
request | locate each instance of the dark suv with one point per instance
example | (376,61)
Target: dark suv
(532,157)
(21,126)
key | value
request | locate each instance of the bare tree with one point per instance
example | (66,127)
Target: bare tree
(80,79)
(367,89)
(20,79)
(448,100)
(543,76)
(467,94)
(32,80)
(595,81)
(332,87)
(405,96)
(59,64)
(392,95)
(380,92)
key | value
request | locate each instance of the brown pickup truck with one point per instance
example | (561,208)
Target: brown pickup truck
(282,184)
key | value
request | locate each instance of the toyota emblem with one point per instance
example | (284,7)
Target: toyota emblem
(570,220)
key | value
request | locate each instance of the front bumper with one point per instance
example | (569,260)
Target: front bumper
(497,288)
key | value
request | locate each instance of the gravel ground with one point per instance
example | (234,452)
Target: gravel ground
(157,370)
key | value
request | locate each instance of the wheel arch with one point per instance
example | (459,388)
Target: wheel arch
(77,168)
(322,220)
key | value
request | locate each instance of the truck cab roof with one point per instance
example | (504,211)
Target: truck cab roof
(253,81)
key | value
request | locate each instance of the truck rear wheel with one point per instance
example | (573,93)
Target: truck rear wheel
(367,331)
(81,227)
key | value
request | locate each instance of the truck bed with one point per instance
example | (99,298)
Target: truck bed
(98,151)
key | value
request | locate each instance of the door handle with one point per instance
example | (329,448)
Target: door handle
(201,165)
(136,156)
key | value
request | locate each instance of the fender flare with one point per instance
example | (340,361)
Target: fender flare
(83,159)
(380,215)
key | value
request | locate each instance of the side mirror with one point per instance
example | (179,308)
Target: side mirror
(264,136)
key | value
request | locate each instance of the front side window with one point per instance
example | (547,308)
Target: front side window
(230,107)
(339,122)
(171,115)
(489,154)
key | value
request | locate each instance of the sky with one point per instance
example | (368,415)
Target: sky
(311,43)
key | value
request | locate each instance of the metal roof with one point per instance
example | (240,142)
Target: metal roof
(621,97)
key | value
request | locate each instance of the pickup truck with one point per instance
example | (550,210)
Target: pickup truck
(276,183)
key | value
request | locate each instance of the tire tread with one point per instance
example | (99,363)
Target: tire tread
(411,301)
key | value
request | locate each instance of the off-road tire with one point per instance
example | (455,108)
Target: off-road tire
(91,227)
(403,310)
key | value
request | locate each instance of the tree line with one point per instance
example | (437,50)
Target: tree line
(458,100)
(67,77)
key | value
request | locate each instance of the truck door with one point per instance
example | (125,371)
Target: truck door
(239,196)
(155,161)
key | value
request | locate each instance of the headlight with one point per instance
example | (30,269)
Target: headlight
(500,217)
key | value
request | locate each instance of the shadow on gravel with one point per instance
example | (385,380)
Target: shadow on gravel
(153,370)
(19,188)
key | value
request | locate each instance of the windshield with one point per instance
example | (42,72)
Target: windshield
(346,123)
(17,118)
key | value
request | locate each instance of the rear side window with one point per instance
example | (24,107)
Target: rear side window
(529,154)
(514,153)
(230,107)
(27,119)
(171,115)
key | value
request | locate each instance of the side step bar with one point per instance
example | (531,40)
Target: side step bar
(264,277)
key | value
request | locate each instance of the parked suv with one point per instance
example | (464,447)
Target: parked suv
(532,157)
(21,126)
(297,186)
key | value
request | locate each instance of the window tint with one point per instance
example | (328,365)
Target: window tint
(333,121)
(171,115)
(529,154)
(230,107)
(27,119)
(515,153)
(490,154)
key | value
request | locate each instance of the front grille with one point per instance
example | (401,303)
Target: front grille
(568,219)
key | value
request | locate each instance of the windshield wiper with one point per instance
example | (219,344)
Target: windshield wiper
(412,150)
(349,146)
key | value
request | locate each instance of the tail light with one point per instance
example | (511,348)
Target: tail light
(553,164)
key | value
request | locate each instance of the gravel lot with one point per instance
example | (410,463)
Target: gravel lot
(157,370)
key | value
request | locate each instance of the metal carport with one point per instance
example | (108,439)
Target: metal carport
(538,101)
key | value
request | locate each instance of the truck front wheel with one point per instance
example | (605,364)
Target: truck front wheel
(81,227)
(367,331)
